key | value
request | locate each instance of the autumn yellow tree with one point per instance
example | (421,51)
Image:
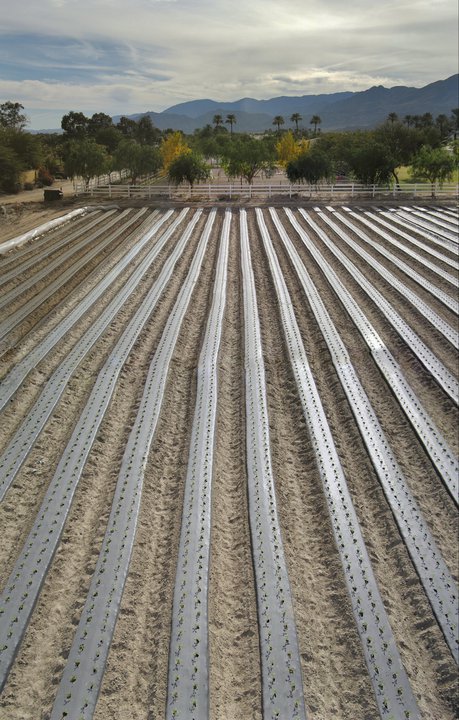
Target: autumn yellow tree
(172,147)
(288,149)
(303,146)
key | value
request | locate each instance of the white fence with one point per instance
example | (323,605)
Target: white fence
(235,191)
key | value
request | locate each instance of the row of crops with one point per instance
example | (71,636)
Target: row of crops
(116,350)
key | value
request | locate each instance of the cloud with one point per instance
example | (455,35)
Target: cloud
(121,57)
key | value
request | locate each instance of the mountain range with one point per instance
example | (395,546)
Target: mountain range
(338,111)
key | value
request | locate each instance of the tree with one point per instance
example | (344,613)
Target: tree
(127,126)
(426,120)
(296,118)
(392,117)
(137,159)
(19,151)
(99,121)
(85,158)
(231,120)
(315,120)
(310,167)
(246,156)
(287,149)
(400,142)
(109,137)
(75,125)
(11,115)
(443,124)
(217,120)
(147,133)
(455,120)
(210,144)
(189,167)
(172,146)
(368,158)
(278,120)
(10,170)
(433,164)
(27,147)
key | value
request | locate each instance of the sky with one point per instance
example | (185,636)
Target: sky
(129,56)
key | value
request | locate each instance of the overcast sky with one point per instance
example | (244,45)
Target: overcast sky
(128,56)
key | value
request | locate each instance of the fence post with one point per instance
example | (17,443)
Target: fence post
(231,189)
(109,190)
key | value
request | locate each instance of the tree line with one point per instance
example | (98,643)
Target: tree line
(91,146)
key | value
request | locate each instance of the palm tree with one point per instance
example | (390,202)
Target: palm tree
(427,120)
(408,120)
(442,122)
(295,118)
(218,120)
(231,120)
(315,120)
(392,117)
(278,120)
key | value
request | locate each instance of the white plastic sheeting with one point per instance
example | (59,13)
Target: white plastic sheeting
(36,232)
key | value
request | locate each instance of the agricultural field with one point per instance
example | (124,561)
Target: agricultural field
(228,465)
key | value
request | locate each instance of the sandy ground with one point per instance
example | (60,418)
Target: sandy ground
(37,194)
(336,681)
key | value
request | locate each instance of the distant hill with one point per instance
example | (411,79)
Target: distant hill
(338,111)
(367,109)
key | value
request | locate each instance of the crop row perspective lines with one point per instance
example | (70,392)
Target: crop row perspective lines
(17,375)
(399,218)
(111,219)
(449,332)
(438,449)
(433,365)
(391,685)
(26,435)
(24,584)
(451,279)
(450,302)
(433,572)
(188,680)
(420,218)
(282,685)
(37,257)
(411,239)
(80,684)
(36,300)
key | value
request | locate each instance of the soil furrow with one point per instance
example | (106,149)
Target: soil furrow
(235,682)
(321,602)
(143,628)
(403,595)
(336,679)
(75,560)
